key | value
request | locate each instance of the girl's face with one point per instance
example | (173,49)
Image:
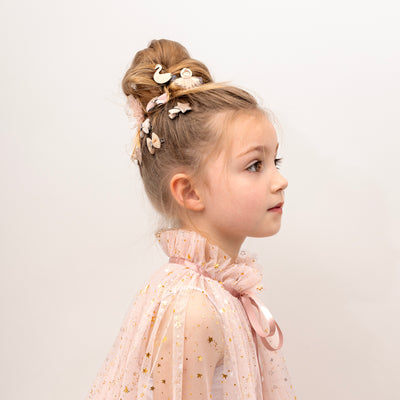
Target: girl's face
(243,183)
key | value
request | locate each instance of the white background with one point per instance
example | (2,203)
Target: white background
(77,230)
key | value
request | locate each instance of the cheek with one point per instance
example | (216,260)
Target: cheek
(245,203)
(240,195)
(217,196)
(250,193)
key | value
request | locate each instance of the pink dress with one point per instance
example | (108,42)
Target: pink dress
(191,332)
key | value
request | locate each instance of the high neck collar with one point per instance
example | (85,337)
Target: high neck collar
(240,277)
(190,248)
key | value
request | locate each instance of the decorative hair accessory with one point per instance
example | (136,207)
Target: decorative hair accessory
(145,128)
(187,81)
(135,114)
(161,78)
(179,108)
(152,140)
(156,101)
(134,111)
(153,143)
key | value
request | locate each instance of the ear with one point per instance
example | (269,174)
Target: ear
(185,193)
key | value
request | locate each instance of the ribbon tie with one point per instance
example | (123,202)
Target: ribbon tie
(256,311)
(260,318)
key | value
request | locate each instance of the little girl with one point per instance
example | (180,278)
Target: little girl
(207,156)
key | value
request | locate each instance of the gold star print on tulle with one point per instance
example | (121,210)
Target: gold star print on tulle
(186,335)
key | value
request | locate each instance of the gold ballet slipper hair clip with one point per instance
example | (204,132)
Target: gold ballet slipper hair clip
(179,108)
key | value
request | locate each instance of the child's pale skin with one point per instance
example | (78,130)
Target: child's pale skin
(234,204)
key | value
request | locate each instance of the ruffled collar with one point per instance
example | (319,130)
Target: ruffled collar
(241,277)
(190,248)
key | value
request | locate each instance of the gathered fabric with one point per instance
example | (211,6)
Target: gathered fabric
(197,331)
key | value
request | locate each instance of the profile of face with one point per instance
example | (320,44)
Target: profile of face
(243,183)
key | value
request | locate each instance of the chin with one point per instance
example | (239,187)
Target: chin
(260,235)
(269,231)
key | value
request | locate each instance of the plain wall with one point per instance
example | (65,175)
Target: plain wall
(77,230)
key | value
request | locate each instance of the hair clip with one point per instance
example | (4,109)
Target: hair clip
(187,81)
(153,143)
(179,108)
(161,78)
(156,101)
(145,128)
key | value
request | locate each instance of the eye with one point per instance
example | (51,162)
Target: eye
(278,162)
(255,167)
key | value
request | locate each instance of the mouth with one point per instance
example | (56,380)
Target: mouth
(279,205)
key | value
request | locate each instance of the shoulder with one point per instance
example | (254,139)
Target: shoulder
(192,305)
(181,291)
(203,324)
(199,307)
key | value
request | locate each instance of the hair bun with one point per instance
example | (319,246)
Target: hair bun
(173,58)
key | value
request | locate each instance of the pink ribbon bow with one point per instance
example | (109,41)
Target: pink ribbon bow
(256,311)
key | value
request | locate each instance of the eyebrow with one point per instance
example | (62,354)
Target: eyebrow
(256,148)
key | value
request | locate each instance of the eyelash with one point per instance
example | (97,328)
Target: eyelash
(277,162)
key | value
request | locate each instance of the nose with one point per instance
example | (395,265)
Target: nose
(279,182)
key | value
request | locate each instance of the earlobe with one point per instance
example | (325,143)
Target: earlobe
(184,192)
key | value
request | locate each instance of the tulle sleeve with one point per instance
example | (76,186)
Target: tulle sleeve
(188,346)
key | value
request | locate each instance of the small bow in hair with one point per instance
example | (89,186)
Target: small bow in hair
(153,143)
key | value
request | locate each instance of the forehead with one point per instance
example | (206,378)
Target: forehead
(249,131)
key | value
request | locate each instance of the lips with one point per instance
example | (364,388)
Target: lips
(279,205)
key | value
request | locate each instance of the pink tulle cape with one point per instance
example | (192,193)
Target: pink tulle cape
(187,334)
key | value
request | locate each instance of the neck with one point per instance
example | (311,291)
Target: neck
(229,244)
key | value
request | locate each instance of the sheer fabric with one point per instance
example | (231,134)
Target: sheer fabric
(187,334)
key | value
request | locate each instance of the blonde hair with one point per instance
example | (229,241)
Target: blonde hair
(190,139)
